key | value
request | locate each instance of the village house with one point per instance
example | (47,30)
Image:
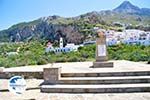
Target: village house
(131,36)
(68,48)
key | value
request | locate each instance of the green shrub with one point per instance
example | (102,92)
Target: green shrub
(33,53)
(148,61)
(41,61)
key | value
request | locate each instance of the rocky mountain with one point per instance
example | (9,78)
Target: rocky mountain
(80,28)
(127,7)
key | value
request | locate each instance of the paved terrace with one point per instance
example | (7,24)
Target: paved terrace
(77,67)
(33,91)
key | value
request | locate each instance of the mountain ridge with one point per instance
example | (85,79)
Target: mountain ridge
(76,29)
(127,7)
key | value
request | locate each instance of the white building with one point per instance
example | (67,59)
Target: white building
(111,42)
(68,48)
(61,43)
(131,36)
(137,37)
(49,47)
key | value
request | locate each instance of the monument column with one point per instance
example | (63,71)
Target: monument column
(101,51)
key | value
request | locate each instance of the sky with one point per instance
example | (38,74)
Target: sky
(16,11)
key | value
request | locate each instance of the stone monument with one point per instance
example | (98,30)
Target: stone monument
(101,51)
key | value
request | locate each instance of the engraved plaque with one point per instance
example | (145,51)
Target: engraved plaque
(101,50)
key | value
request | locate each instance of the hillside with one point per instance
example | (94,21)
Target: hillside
(80,28)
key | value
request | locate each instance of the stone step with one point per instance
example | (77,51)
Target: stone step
(105,80)
(116,88)
(106,74)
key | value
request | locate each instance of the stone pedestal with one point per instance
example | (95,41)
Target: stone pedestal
(101,52)
(102,64)
(52,75)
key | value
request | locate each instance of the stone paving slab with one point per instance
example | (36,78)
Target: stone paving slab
(31,83)
(93,86)
(35,94)
(77,67)
(105,78)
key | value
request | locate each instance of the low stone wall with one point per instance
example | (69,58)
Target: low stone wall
(7,75)
(1,69)
(50,75)
(38,75)
(2,74)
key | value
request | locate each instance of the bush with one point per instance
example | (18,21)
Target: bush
(148,62)
(41,61)
(33,53)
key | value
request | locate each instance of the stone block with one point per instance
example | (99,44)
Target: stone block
(101,59)
(102,64)
(52,75)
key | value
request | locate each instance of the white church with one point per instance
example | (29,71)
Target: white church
(68,48)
